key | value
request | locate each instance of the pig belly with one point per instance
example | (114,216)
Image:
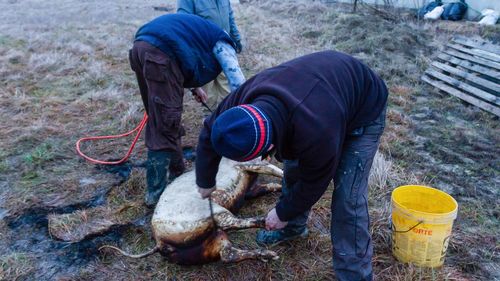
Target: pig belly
(206,250)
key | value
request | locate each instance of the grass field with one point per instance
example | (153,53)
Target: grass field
(64,74)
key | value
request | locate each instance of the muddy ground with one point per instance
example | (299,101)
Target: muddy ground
(64,74)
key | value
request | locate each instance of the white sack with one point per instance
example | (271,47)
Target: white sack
(490,17)
(434,14)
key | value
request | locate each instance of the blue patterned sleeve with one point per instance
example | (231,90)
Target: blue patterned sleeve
(226,55)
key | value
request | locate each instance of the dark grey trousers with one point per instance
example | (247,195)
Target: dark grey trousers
(352,245)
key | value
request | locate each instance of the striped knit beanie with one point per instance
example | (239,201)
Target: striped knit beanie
(242,133)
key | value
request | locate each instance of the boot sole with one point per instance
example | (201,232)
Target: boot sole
(288,239)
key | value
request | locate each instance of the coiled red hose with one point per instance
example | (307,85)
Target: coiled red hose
(137,129)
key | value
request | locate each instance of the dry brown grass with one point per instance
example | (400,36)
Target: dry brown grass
(124,205)
(15,266)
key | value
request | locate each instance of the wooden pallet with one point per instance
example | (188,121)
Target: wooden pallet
(470,70)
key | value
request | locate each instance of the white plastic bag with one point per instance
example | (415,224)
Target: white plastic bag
(490,17)
(434,14)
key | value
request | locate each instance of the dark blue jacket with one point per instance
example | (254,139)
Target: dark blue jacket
(313,102)
(189,40)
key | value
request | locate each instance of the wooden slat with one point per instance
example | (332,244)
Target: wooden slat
(473,59)
(478,80)
(465,87)
(483,53)
(474,52)
(482,45)
(488,54)
(469,65)
(472,100)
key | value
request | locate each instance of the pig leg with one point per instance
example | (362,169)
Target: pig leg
(271,187)
(227,221)
(230,254)
(262,189)
(265,169)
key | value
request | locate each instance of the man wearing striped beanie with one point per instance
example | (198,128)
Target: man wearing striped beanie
(323,115)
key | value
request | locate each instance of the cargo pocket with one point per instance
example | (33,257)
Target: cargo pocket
(170,118)
(356,168)
(357,132)
(172,123)
(155,67)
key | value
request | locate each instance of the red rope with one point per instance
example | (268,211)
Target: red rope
(96,161)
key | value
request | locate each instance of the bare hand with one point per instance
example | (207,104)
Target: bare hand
(199,95)
(205,192)
(273,222)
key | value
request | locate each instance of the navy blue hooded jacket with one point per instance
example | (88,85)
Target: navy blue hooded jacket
(188,39)
(313,102)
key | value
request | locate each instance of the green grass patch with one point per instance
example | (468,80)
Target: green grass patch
(32,178)
(4,167)
(10,42)
(15,266)
(40,155)
(63,87)
(481,214)
(33,162)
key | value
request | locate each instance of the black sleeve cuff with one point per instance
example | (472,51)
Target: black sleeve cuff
(205,185)
(284,212)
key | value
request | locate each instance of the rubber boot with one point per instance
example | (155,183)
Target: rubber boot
(156,175)
(177,166)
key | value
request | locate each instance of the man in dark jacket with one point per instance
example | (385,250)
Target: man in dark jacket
(171,53)
(323,115)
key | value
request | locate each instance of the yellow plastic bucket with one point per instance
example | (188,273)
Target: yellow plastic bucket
(422,218)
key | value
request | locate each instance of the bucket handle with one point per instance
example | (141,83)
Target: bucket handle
(404,231)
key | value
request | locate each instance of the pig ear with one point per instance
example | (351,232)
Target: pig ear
(262,168)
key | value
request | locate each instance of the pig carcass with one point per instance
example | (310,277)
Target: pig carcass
(182,225)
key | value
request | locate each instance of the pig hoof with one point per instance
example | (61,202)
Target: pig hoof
(267,256)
